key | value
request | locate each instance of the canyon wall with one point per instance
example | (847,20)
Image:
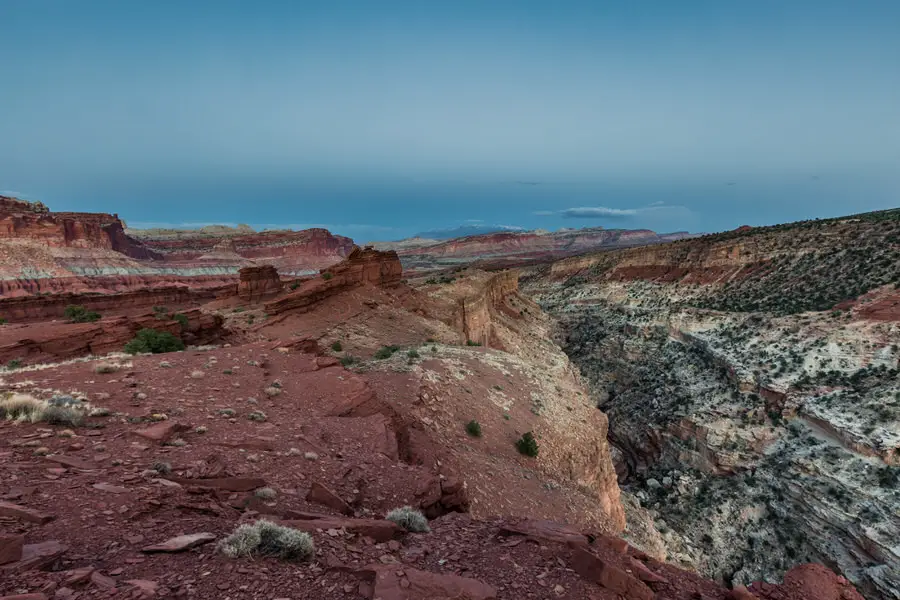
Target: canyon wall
(751,384)
(40,308)
(33,221)
(48,342)
(291,252)
(474,313)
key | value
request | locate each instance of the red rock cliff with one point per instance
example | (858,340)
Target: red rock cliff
(362,267)
(474,313)
(258,283)
(26,220)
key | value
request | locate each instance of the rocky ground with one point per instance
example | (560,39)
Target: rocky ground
(751,429)
(323,419)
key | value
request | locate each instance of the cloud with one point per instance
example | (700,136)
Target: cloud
(605,212)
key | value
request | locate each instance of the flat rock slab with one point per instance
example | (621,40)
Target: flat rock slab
(181,543)
(379,530)
(25,597)
(259,444)
(107,487)
(230,484)
(162,431)
(391,583)
(146,587)
(23,513)
(320,494)
(36,557)
(11,548)
(546,531)
(72,462)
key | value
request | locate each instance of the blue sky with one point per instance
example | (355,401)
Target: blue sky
(381,119)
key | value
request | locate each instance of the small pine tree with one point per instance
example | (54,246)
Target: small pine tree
(527,445)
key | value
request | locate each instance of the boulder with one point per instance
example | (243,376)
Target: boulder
(23,513)
(11,548)
(609,576)
(181,543)
(320,494)
(379,530)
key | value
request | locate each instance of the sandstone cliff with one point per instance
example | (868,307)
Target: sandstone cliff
(361,267)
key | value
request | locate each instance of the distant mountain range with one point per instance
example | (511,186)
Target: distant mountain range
(464,231)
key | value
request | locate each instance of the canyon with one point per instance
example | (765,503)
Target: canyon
(746,421)
(751,384)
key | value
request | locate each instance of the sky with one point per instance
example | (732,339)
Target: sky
(382,119)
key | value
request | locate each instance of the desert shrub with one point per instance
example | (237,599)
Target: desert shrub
(337,346)
(105,368)
(160,310)
(59,410)
(472,343)
(327,276)
(409,519)
(272,391)
(163,468)
(3,321)
(527,445)
(182,320)
(265,493)
(257,415)
(264,538)
(77,313)
(294,285)
(348,359)
(14,364)
(385,352)
(412,353)
(473,428)
(153,341)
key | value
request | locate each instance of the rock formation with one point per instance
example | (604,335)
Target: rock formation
(362,267)
(258,283)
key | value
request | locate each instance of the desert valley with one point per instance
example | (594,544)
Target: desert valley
(600,414)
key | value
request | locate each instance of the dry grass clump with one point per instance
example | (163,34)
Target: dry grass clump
(409,519)
(264,538)
(59,410)
(104,368)
(272,391)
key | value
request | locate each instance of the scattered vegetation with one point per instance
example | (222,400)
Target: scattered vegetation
(151,341)
(409,519)
(337,346)
(59,410)
(412,353)
(348,359)
(527,445)
(14,364)
(326,276)
(264,538)
(77,313)
(473,428)
(385,352)
(472,343)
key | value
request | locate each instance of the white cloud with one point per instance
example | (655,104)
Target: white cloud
(605,212)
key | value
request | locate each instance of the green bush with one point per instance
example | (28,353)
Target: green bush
(473,428)
(182,320)
(327,276)
(412,353)
(527,445)
(2,321)
(337,346)
(77,313)
(153,341)
(160,311)
(385,352)
(471,343)
(348,359)
(14,364)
